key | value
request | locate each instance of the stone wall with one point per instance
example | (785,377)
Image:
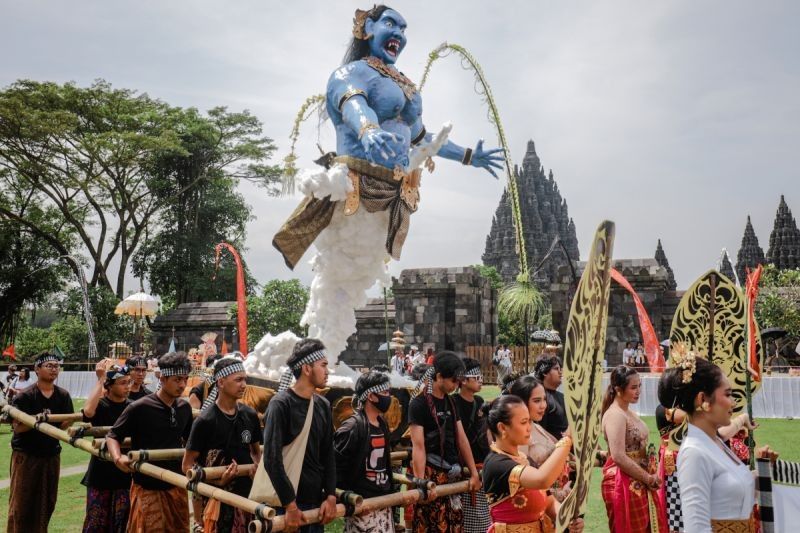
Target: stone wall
(191,321)
(444,308)
(650,281)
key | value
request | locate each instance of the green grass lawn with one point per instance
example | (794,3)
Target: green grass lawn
(69,513)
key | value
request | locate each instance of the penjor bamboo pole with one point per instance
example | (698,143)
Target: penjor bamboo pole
(396,499)
(209,491)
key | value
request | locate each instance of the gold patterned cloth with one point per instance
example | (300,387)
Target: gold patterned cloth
(529,527)
(732,526)
(380,189)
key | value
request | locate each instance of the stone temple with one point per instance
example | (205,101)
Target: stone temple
(750,253)
(545,216)
(784,241)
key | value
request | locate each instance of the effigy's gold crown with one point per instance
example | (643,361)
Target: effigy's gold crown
(359,20)
(685,359)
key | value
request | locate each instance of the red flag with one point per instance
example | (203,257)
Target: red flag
(10,352)
(241,297)
(751,293)
(655,357)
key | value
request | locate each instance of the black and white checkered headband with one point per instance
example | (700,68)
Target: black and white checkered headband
(376,389)
(286,378)
(473,373)
(175,371)
(426,381)
(223,373)
(45,358)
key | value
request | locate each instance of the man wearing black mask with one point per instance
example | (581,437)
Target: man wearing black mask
(363,461)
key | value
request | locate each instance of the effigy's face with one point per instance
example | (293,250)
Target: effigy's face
(388,36)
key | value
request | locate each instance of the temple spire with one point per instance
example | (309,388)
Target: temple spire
(725,268)
(750,254)
(784,241)
(661,258)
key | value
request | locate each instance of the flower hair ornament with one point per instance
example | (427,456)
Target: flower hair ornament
(684,359)
(359,20)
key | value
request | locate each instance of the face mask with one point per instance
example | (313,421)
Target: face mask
(383,403)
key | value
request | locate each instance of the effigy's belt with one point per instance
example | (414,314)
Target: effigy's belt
(376,188)
(731,526)
(527,527)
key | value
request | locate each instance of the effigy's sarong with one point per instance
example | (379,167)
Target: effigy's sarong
(379,188)
(628,502)
(106,510)
(381,520)
(32,493)
(158,511)
(439,516)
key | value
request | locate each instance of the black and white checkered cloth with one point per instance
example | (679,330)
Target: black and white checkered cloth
(476,517)
(286,378)
(673,496)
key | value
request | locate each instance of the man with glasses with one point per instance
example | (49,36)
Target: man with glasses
(36,458)
(138,370)
(107,489)
(161,420)
(469,407)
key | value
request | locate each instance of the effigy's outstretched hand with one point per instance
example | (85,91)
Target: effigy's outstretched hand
(381,146)
(488,159)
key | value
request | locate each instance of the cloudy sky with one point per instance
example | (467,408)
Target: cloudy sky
(674,119)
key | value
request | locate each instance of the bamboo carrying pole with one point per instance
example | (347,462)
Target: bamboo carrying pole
(412,481)
(101,443)
(209,491)
(209,473)
(59,418)
(401,455)
(348,497)
(169,454)
(396,499)
(87,430)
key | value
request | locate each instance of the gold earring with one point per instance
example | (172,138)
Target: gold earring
(705,406)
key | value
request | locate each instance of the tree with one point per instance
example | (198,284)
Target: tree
(108,327)
(29,266)
(179,260)
(96,155)
(279,308)
(778,304)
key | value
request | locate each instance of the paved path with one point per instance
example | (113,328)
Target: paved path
(68,471)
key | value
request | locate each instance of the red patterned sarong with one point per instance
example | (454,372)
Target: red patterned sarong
(627,502)
(438,516)
(106,510)
(158,511)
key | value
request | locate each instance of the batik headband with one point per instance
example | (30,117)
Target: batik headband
(46,357)
(286,378)
(364,395)
(182,370)
(114,372)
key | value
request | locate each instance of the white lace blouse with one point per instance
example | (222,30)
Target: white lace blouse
(713,482)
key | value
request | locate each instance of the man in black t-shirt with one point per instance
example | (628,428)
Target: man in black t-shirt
(285,418)
(107,488)
(157,421)
(363,456)
(548,371)
(138,371)
(226,433)
(469,407)
(440,446)
(36,458)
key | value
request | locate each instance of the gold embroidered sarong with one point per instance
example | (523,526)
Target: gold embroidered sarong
(732,526)
(379,188)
